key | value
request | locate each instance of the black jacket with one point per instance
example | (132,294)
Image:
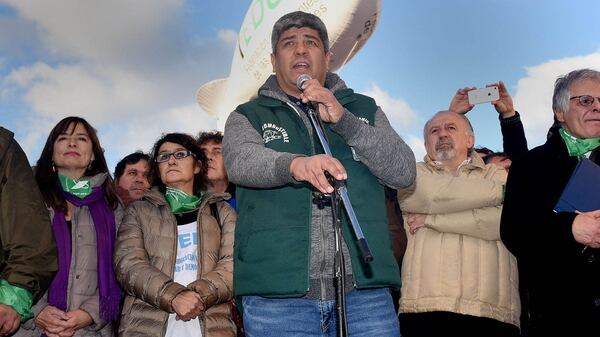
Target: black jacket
(562,279)
(514,142)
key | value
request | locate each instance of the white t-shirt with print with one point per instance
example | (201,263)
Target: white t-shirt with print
(186,272)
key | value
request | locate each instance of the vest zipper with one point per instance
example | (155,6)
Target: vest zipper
(308,127)
(310,227)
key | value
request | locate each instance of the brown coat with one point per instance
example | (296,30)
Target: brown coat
(145,258)
(28,251)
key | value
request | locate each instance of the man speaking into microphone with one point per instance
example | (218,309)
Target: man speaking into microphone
(284,240)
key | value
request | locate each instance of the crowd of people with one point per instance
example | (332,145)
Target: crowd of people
(243,232)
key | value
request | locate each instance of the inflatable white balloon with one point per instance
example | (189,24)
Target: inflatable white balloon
(349,23)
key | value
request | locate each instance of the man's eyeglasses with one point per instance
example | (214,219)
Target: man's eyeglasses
(179,155)
(586,100)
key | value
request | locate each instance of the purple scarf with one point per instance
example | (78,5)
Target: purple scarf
(104,222)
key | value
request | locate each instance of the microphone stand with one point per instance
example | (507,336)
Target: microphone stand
(340,194)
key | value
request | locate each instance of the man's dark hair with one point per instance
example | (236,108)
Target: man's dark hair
(493,155)
(212,136)
(299,19)
(483,151)
(130,159)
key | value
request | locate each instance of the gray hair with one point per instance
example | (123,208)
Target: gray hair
(562,87)
(299,19)
(470,131)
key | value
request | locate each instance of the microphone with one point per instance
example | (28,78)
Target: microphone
(300,81)
(300,85)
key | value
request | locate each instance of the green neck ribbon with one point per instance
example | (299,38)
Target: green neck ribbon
(181,202)
(78,187)
(576,146)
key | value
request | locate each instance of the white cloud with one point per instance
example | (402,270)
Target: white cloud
(397,110)
(401,116)
(108,30)
(128,67)
(73,90)
(227,35)
(139,134)
(533,97)
(34,140)
(417,145)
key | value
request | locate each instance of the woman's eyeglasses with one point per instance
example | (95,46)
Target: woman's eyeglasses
(179,155)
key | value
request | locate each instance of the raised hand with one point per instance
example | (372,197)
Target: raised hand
(330,110)
(460,102)
(504,105)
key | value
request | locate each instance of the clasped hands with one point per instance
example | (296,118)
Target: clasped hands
(187,305)
(57,323)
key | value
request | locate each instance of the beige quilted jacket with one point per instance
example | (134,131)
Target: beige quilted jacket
(457,263)
(145,255)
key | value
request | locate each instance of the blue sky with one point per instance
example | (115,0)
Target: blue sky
(132,67)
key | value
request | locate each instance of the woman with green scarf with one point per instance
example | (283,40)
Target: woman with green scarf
(84,297)
(173,255)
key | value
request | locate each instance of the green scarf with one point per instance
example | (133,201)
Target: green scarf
(77,187)
(576,146)
(181,202)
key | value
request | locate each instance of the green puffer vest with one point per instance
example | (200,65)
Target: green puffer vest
(272,237)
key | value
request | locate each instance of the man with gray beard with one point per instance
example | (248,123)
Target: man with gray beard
(457,276)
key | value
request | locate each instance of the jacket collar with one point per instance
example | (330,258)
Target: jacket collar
(98,179)
(557,144)
(473,162)
(271,95)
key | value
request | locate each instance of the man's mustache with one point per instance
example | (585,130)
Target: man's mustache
(444,142)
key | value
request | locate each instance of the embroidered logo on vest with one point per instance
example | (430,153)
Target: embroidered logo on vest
(273,132)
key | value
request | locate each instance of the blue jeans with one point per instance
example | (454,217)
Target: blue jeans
(370,312)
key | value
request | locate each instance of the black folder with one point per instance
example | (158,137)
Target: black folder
(582,192)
